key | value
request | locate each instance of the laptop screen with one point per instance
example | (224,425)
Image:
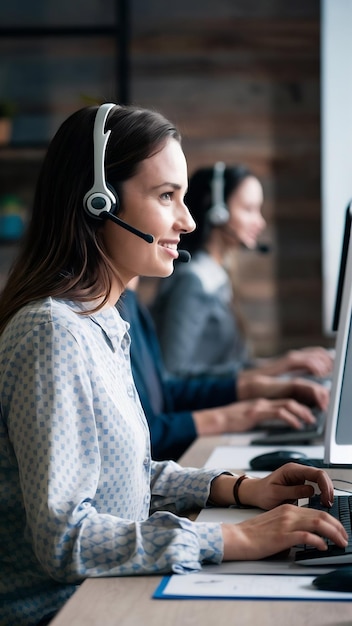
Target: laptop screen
(342,269)
(338,430)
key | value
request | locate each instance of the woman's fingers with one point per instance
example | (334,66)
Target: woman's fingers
(295,474)
(309,392)
(245,415)
(317,361)
(285,410)
(287,484)
(279,530)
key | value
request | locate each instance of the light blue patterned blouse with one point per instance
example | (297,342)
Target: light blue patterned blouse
(79,494)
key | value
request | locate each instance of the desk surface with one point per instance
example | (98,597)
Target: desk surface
(127,601)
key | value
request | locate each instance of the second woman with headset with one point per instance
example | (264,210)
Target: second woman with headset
(196,310)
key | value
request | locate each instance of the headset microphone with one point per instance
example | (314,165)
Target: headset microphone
(183,256)
(146,236)
(263,248)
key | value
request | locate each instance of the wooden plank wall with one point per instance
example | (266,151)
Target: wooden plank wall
(241,79)
(243,84)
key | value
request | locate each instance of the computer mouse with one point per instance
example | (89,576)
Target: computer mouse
(337,580)
(272,460)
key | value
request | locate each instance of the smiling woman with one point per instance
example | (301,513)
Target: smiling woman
(153,201)
(81,496)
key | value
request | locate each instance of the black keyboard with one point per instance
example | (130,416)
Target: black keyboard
(341,510)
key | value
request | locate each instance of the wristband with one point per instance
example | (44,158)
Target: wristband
(236,488)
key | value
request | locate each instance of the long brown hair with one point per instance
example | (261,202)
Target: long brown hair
(62,254)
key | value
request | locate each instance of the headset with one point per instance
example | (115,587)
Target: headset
(102,201)
(218,214)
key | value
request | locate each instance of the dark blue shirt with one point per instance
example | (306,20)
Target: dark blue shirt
(168,402)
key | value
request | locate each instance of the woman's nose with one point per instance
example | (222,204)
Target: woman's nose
(186,220)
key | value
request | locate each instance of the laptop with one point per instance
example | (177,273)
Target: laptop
(280,434)
(338,429)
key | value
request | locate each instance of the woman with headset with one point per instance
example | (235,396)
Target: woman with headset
(80,496)
(195,310)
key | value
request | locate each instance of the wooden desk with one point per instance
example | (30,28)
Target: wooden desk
(127,601)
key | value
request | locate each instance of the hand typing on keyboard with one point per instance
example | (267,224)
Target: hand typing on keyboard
(285,525)
(334,555)
(305,392)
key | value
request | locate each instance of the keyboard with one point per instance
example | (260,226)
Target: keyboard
(342,510)
(282,434)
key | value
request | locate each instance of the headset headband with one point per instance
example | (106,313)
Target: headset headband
(100,198)
(218,213)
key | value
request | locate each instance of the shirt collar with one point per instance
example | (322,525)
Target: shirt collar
(109,320)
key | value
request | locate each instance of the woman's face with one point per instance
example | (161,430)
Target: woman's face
(153,202)
(245,207)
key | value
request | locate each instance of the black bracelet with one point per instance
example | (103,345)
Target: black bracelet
(236,488)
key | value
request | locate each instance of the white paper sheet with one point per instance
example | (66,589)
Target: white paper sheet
(203,585)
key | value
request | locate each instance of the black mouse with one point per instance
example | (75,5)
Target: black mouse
(337,580)
(270,461)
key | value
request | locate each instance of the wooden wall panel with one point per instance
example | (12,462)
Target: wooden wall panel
(245,86)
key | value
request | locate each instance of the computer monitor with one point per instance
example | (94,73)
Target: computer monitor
(338,428)
(342,269)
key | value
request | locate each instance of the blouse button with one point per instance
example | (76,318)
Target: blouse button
(130,391)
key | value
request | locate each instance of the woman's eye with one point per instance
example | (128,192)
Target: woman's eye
(167,195)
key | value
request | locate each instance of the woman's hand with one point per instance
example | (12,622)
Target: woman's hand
(250,385)
(278,530)
(313,360)
(285,525)
(286,484)
(247,415)
(262,398)
(243,416)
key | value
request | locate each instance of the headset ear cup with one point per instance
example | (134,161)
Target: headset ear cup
(218,215)
(97,203)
